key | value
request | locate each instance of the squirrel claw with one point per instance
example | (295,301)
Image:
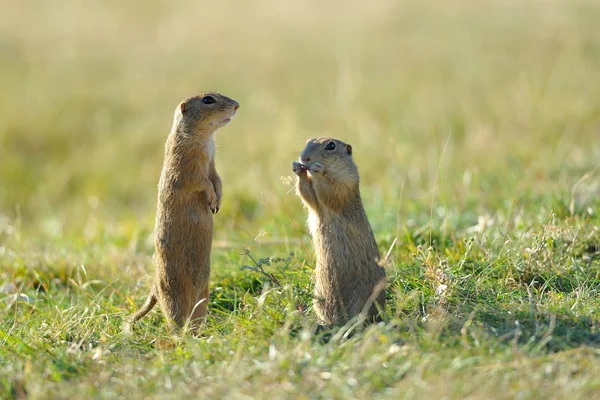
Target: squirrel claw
(213,202)
(299,168)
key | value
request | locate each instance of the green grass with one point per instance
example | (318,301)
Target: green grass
(476,129)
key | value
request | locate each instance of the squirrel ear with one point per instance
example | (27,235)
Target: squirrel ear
(183,107)
(349,149)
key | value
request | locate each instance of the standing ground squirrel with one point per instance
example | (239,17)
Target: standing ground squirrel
(189,192)
(349,279)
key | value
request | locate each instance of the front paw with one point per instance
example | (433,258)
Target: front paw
(213,200)
(298,168)
(316,167)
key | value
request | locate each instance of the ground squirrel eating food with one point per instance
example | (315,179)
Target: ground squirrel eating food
(349,279)
(189,193)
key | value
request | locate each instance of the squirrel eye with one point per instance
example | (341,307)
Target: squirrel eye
(208,100)
(330,146)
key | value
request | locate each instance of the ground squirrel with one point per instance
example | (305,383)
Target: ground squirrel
(349,278)
(189,193)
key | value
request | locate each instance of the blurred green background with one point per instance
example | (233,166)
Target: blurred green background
(89,89)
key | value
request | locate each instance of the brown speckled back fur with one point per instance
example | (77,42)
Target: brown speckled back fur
(348,275)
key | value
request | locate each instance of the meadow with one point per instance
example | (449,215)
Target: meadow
(476,129)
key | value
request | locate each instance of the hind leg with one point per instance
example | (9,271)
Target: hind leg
(201,304)
(177,309)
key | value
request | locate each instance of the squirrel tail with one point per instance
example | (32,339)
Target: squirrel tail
(143,310)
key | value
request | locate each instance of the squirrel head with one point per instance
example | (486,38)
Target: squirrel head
(205,113)
(335,155)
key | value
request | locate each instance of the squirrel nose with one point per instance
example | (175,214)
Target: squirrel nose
(237,105)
